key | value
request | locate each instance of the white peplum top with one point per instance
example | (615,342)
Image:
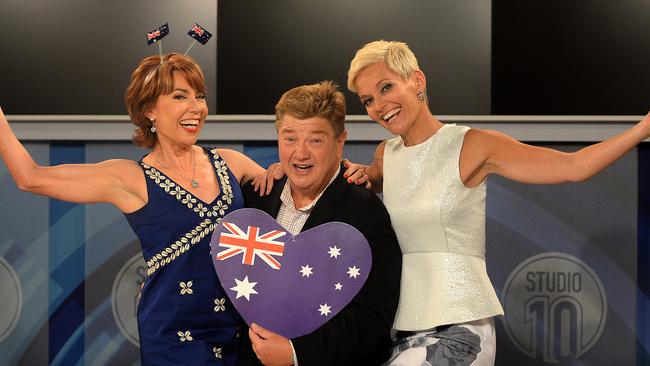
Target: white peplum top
(440,225)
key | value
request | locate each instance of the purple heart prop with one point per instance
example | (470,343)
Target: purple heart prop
(288,284)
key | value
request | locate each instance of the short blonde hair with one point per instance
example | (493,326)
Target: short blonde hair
(152,79)
(322,100)
(397,56)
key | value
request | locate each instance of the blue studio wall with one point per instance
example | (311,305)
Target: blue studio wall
(563,258)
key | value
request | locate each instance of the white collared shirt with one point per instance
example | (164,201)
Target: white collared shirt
(292,218)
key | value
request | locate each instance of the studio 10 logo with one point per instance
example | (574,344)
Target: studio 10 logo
(126,295)
(555,307)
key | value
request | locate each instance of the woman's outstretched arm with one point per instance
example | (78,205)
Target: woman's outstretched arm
(111,181)
(491,152)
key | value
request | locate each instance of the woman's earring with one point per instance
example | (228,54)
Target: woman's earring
(153,127)
(420,96)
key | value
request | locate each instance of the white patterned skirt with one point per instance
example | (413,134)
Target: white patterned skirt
(472,343)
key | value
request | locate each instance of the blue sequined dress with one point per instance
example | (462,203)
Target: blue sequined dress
(184,315)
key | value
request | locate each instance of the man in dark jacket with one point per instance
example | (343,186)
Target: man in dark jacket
(311,134)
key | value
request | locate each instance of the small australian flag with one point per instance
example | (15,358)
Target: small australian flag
(157,34)
(200,34)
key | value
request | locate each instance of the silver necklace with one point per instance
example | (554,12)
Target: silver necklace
(195,183)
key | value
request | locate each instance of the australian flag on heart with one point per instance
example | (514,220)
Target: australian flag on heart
(289,284)
(200,34)
(157,34)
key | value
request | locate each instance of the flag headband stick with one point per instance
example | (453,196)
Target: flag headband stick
(155,36)
(189,48)
(199,34)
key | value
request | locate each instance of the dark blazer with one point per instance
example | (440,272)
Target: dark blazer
(360,333)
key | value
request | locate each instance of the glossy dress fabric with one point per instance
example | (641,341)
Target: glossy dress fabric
(440,226)
(184,315)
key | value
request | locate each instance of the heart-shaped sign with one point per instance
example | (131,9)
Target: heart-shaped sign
(288,284)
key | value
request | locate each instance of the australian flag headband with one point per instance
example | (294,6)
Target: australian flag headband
(197,32)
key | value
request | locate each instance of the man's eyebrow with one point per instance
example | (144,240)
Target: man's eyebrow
(315,132)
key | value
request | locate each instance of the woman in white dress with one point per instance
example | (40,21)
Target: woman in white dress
(433,179)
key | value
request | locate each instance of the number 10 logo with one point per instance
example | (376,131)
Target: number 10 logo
(555,307)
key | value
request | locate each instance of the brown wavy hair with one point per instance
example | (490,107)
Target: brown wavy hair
(152,79)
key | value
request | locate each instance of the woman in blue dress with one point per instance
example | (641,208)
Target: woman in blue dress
(172,198)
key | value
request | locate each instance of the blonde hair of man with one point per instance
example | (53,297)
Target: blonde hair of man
(397,56)
(322,100)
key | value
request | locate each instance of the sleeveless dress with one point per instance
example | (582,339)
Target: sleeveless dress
(447,301)
(184,315)
(440,226)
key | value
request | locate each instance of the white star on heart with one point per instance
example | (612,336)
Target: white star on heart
(325,309)
(334,252)
(244,288)
(338,286)
(353,271)
(306,271)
